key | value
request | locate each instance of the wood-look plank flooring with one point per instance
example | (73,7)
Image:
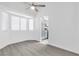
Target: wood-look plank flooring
(33,48)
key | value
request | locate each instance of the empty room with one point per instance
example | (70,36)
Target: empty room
(39,28)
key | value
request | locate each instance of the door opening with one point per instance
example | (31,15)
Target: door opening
(44,32)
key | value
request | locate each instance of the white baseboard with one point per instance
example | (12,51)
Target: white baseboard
(72,51)
(9,43)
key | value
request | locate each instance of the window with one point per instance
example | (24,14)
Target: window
(23,24)
(4,24)
(30,24)
(20,23)
(15,23)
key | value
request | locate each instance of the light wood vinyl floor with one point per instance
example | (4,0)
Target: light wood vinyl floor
(33,48)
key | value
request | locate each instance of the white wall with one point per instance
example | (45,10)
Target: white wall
(63,25)
(8,37)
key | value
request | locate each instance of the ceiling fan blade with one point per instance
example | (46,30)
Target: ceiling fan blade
(36,9)
(27,7)
(39,5)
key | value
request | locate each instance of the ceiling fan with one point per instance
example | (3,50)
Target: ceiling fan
(34,6)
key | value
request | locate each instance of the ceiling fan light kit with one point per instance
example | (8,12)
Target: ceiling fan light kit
(35,6)
(32,7)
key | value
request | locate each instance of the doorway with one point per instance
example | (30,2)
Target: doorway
(44,32)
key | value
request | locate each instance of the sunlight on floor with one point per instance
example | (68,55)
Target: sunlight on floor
(45,42)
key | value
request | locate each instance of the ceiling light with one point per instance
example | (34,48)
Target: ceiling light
(32,7)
